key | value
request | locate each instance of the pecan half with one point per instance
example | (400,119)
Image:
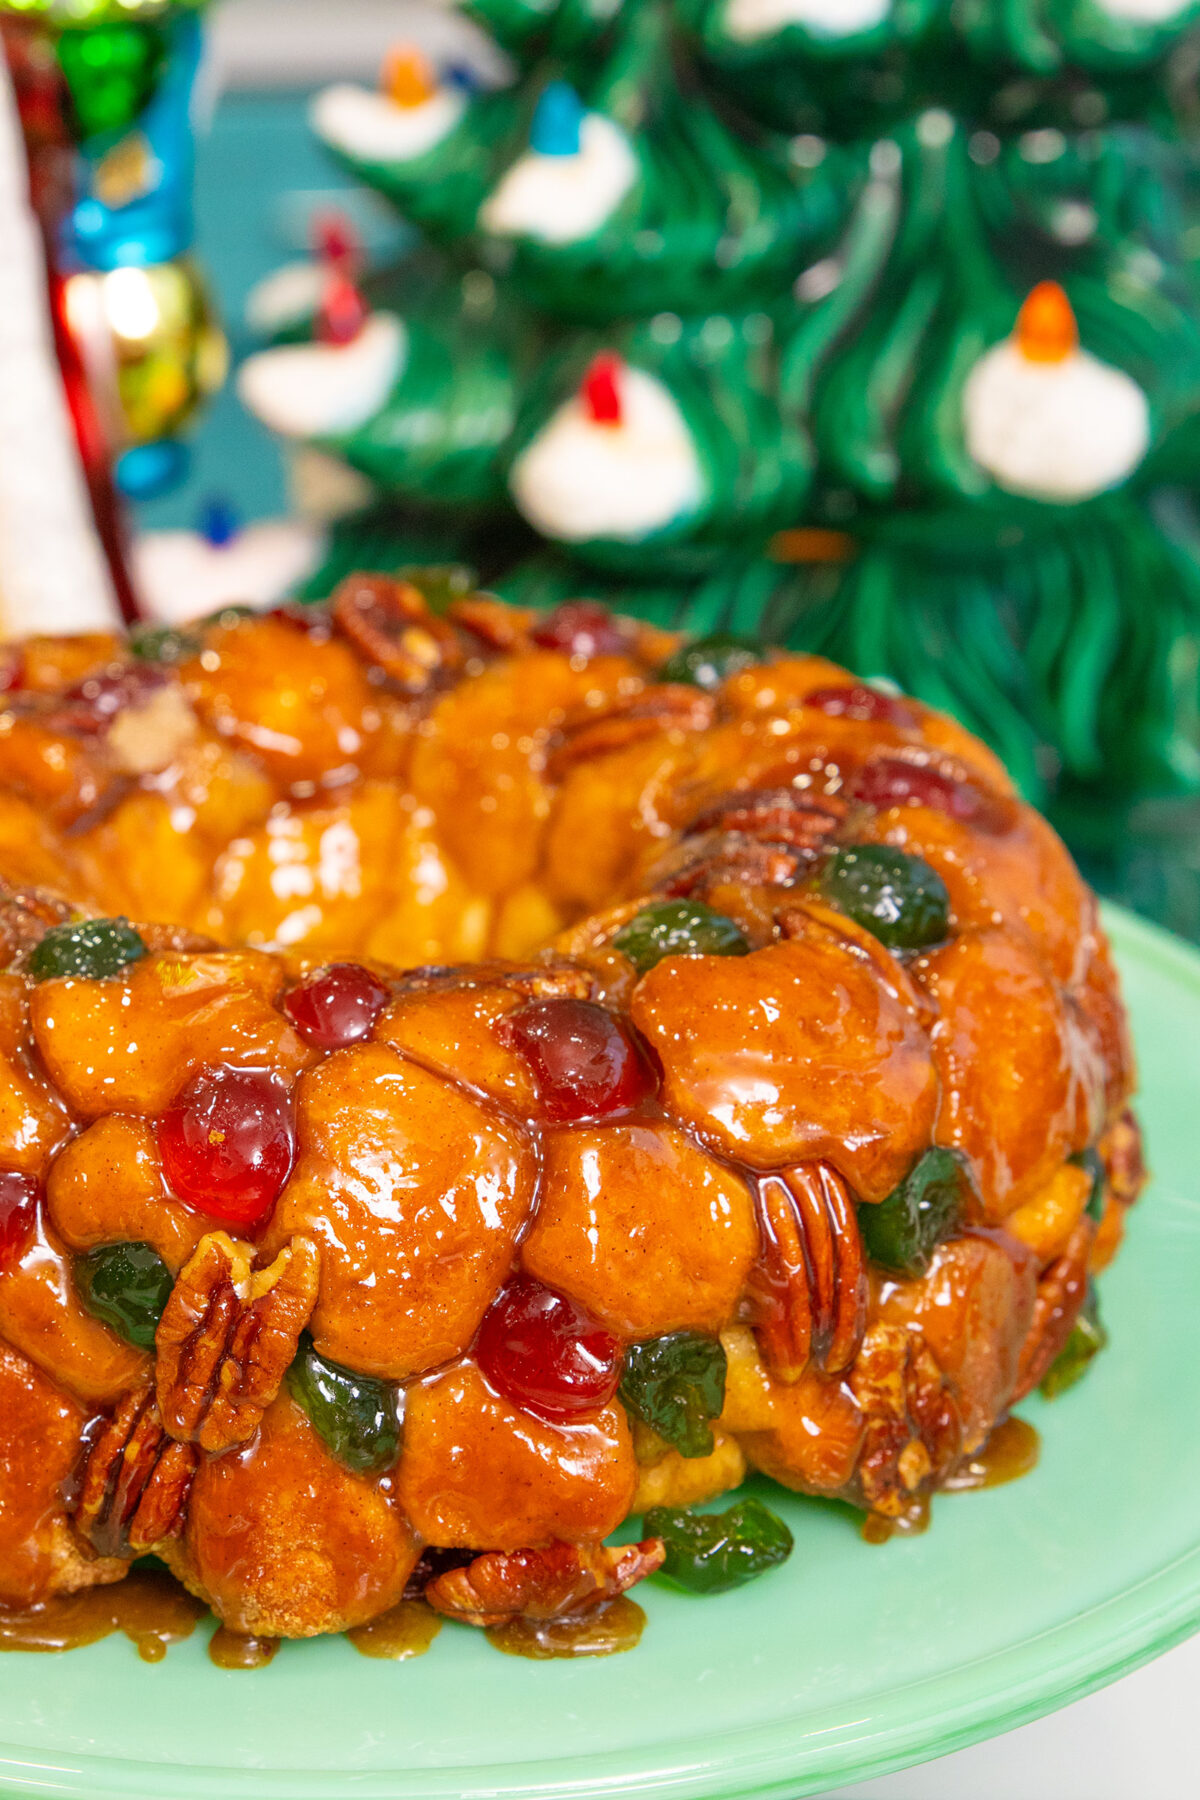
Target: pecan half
(913,1433)
(779,815)
(390,623)
(26,914)
(497,625)
(662,707)
(547,981)
(541,1584)
(696,865)
(135,1482)
(1061,1293)
(228,1335)
(809,1287)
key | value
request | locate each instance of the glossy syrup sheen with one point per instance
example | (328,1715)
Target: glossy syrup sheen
(606,1631)
(151,1609)
(406,1631)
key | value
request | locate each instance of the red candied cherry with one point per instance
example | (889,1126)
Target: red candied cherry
(18,1214)
(586,1063)
(227,1142)
(890,781)
(336,1005)
(581,628)
(861,702)
(543,1352)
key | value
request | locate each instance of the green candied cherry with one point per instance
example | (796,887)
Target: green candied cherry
(709,1553)
(125,1286)
(903,1231)
(896,897)
(1087,1339)
(676,1385)
(1090,1161)
(163,644)
(439,584)
(709,661)
(356,1415)
(678,928)
(90,948)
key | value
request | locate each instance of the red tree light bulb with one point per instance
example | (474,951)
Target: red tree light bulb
(343,311)
(600,391)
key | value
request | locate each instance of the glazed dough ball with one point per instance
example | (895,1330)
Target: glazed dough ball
(478,1473)
(644,1230)
(415,1193)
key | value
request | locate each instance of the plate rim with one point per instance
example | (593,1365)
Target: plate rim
(1069,1661)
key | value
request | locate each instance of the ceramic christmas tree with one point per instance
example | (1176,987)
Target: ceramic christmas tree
(871,324)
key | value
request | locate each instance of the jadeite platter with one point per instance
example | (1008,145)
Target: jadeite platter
(851,1660)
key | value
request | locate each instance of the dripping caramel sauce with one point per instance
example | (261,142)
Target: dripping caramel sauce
(407,1630)
(151,1609)
(232,1650)
(1011,1451)
(154,1612)
(605,1631)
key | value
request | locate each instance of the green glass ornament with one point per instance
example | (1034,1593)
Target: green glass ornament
(111,71)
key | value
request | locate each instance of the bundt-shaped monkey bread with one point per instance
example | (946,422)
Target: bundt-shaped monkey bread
(551,1071)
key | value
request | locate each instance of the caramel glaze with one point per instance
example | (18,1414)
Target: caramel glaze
(1011,1451)
(605,1631)
(231,1650)
(407,1630)
(151,1609)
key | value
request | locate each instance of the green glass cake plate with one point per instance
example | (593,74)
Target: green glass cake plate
(851,1660)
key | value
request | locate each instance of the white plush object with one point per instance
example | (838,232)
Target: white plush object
(180,575)
(564,199)
(53,575)
(1144,12)
(288,296)
(321,390)
(749,20)
(579,479)
(1057,431)
(369,127)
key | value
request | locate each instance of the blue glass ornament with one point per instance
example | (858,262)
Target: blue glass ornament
(135,188)
(557,121)
(148,470)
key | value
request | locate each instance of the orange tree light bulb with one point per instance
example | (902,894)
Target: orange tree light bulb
(408,78)
(1046,327)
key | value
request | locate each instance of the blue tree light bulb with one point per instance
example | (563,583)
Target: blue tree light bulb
(218,521)
(557,120)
